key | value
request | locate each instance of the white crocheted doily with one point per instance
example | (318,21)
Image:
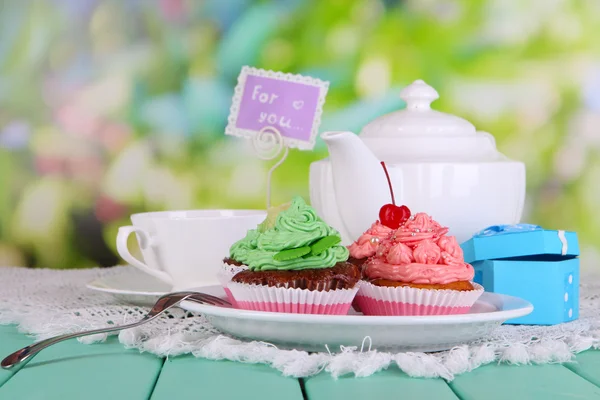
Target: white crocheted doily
(46,303)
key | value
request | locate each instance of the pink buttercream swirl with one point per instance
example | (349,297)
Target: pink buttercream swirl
(367,244)
(400,254)
(419,252)
(419,228)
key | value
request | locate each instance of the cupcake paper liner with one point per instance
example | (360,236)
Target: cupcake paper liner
(292,300)
(227,272)
(404,300)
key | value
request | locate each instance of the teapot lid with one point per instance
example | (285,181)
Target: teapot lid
(418,119)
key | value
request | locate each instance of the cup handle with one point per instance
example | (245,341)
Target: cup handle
(146,241)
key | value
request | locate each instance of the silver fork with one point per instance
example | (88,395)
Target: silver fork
(164,303)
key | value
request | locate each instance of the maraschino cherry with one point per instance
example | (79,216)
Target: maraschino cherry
(391,215)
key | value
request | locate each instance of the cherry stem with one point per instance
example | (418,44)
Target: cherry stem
(389,182)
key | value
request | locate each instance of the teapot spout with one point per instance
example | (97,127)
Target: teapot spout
(359,181)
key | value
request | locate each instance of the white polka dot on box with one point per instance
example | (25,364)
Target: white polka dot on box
(526,261)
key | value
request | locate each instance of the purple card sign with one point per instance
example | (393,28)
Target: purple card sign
(292,104)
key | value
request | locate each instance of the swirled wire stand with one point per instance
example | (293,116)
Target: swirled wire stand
(268,144)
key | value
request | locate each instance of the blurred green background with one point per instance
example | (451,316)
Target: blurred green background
(114,107)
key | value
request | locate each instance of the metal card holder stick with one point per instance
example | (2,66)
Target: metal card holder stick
(268,144)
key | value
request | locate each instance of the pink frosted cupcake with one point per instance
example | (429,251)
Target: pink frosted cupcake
(417,270)
(410,266)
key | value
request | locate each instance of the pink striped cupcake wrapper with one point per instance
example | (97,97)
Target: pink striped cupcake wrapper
(291,300)
(225,274)
(404,300)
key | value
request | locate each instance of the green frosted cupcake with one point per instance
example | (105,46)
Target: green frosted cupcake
(292,262)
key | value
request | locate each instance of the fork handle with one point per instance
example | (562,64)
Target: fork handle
(23,356)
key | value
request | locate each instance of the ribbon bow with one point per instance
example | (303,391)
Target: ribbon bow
(504,229)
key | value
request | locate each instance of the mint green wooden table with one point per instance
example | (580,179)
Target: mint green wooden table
(71,370)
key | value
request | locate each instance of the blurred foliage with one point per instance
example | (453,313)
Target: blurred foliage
(112,107)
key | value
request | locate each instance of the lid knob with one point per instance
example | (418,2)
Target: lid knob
(419,95)
(417,119)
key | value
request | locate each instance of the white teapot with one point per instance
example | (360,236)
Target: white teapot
(438,163)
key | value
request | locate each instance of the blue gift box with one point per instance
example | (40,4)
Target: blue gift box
(526,261)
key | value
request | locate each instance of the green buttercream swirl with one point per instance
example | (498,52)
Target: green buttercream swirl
(295,227)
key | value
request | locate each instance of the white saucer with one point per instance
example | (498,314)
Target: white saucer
(131,286)
(311,332)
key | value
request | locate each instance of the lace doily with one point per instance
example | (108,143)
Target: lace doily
(46,303)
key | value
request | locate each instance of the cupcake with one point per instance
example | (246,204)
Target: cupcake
(417,270)
(293,262)
(230,265)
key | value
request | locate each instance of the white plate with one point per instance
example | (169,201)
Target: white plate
(312,332)
(131,286)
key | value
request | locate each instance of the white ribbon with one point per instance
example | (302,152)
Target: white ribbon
(563,240)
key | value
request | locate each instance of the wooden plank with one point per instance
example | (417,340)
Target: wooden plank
(526,382)
(187,377)
(71,370)
(10,340)
(587,365)
(388,384)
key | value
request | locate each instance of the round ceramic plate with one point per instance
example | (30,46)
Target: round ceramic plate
(131,286)
(312,332)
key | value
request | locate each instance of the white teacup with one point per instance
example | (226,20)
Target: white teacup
(185,249)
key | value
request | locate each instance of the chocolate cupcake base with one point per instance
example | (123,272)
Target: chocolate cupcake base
(359,262)
(231,261)
(343,275)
